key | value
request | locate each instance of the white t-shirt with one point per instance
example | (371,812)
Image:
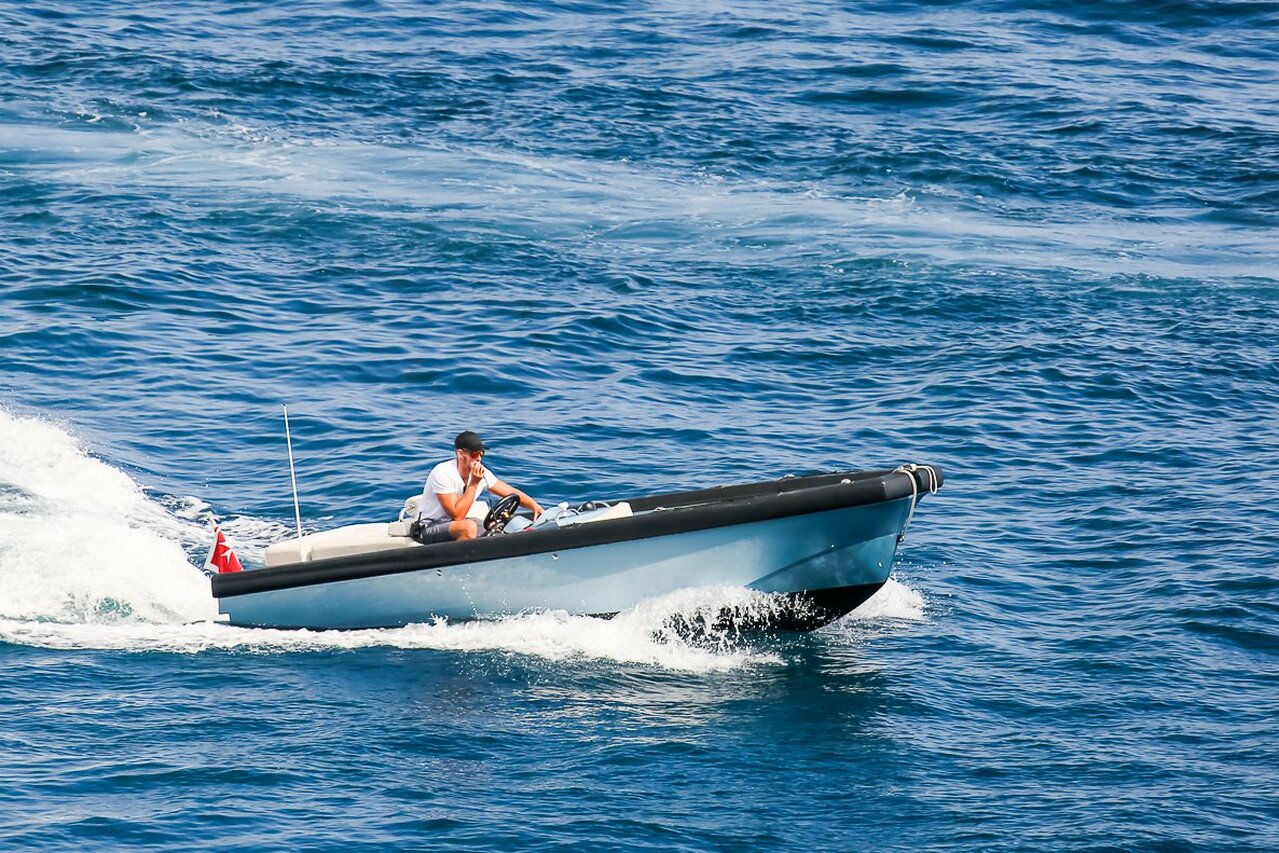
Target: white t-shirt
(444,479)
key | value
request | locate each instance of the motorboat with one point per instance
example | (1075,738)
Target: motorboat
(820,544)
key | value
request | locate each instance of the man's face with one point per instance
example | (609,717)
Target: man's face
(468,457)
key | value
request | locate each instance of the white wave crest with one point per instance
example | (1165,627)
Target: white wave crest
(894,600)
(81,542)
(641,635)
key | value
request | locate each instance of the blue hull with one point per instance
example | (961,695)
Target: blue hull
(834,550)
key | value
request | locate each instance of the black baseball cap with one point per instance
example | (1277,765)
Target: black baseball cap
(468,441)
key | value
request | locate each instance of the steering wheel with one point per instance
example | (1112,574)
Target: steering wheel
(501,513)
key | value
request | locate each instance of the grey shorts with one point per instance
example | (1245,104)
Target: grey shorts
(430,532)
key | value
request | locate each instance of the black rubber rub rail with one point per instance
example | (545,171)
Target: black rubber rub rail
(664,515)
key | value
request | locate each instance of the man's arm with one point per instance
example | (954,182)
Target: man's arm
(457,506)
(502,489)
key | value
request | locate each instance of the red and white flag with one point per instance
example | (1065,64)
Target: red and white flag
(221,558)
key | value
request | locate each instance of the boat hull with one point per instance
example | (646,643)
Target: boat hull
(825,563)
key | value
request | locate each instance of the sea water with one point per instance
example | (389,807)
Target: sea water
(644,247)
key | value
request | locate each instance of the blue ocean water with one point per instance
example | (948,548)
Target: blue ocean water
(645,247)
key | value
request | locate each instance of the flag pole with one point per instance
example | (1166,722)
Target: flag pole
(293,477)
(213,549)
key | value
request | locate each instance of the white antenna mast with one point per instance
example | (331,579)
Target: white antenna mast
(297,510)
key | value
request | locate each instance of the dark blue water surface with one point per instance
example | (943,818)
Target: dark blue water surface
(644,247)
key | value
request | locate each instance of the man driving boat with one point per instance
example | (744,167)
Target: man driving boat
(450,498)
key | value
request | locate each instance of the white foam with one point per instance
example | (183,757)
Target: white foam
(81,542)
(641,635)
(894,600)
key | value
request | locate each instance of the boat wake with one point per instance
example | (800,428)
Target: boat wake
(654,633)
(81,542)
(90,560)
